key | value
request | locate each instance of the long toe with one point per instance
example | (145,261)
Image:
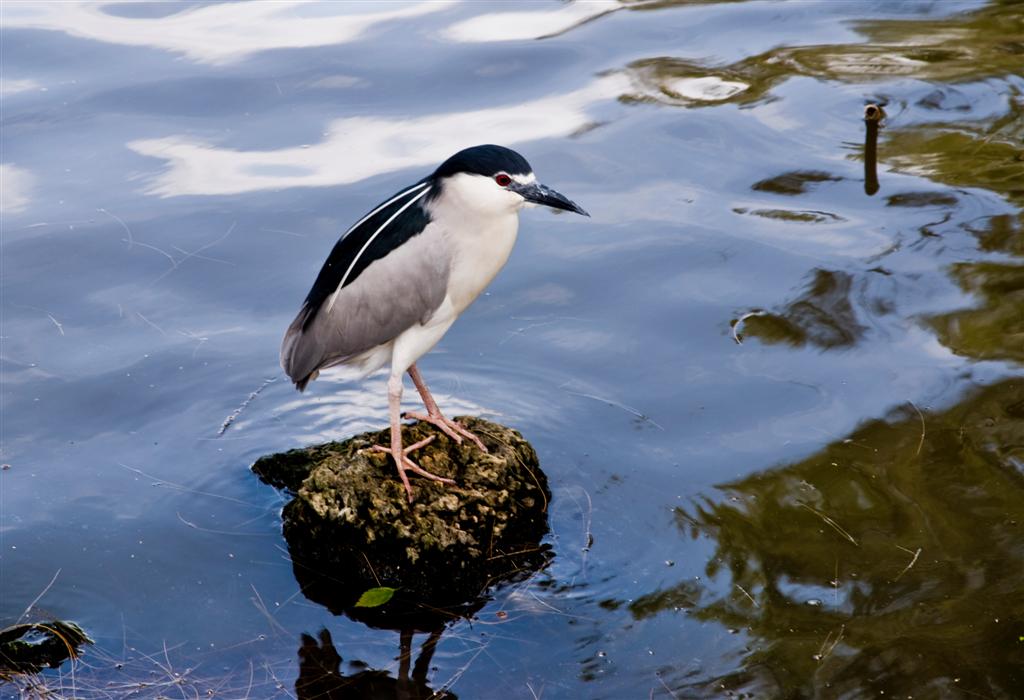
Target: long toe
(405,450)
(417,469)
(439,422)
(467,434)
(407,465)
(449,427)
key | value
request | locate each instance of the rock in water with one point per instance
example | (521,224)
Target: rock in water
(30,647)
(350,528)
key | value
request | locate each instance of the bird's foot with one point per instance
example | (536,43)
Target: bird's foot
(449,427)
(404,464)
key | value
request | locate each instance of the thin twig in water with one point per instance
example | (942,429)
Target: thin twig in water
(202,257)
(920,415)
(124,639)
(739,323)
(249,689)
(38,597)
(279,230)
(835,584)
(832,523)
(665,686)
(827,648)
(222,532)
(196,252)
(460,672)
(262,607)
(277,681)
(56,323)
(588,536)
(174,263)
(611,402)
(514,554)
(370,566)
(548,605)
(174,677)
(162,482)
(72,654)
(162,331)
(238,411)
(118,219)
(196,337)
(749,597)
(588,530)
(912,561)
(284,603)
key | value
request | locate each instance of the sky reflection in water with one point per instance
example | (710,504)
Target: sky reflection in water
(831,506)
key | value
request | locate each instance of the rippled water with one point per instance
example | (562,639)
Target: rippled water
(785,404)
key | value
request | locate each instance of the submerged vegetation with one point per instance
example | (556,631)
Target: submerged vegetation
(890,561)
(949,144)
(964,47)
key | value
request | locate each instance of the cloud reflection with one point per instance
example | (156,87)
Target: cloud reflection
(220,33)
(529,24)
(15,184)
(13,87)
(356,148)
(709,88)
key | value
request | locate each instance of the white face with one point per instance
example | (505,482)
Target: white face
(482,194)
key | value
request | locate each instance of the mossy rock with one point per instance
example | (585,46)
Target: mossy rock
(350,527)
(30,647)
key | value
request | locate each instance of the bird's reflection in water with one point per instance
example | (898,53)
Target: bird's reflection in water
(320,662)
(321,677)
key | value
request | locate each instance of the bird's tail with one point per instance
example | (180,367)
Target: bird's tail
(299,356)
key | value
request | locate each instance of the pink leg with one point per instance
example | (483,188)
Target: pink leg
(396,451)
(449,427)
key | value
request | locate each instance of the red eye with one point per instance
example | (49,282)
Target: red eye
(503,179)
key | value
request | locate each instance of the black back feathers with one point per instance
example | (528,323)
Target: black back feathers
(381,231)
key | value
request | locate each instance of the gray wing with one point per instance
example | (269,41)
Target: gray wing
(393,293)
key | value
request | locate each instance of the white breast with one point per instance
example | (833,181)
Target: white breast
(477,258)
(480,222)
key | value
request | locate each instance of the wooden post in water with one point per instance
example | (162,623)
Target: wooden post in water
(873,115)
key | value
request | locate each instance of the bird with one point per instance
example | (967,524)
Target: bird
(396,281)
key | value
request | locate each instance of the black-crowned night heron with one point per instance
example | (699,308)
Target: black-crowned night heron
(397,280)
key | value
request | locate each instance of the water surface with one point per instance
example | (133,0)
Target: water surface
(780,409)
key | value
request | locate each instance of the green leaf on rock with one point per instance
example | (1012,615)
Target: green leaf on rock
(375,597)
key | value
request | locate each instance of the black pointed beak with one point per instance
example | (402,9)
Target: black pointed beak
(542,194)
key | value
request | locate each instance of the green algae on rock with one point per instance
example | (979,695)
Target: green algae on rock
(350,528)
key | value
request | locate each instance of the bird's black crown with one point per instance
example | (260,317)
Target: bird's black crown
(486,160)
